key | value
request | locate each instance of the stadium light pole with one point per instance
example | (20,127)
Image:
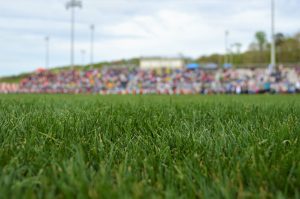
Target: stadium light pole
(226,47)
(47,40)
(72,4)
(273,48)
(231,54)
(92,45)
(83,57)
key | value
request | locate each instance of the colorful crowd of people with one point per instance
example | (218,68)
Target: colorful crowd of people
(9,88)
(159,81)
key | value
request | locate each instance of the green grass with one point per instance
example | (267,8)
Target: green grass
(14,79)
(65,146)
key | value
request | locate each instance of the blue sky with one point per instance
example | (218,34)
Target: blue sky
(132,28)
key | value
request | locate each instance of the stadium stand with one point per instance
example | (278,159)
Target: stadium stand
(159,81)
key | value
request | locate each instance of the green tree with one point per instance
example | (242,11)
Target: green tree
(279,41)
(261,40)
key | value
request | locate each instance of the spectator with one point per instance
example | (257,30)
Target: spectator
(159,81)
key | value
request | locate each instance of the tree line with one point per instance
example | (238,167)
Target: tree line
(258,52)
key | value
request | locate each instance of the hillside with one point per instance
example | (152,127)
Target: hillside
(18,78)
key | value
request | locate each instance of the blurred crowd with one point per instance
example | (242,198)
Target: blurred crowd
(9,88)
(160,81)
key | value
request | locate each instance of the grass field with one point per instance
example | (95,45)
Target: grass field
(64,146)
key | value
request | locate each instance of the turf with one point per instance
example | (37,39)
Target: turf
(65,146)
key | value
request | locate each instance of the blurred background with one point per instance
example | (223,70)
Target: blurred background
(38,35)
(133,28)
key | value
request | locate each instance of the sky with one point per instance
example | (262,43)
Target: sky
(132,28)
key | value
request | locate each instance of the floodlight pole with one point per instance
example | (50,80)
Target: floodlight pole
(231,54)
(92,45)
(47,39)
(226,47)
(82,57)
(72,36)
(72,4)
(273,48)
